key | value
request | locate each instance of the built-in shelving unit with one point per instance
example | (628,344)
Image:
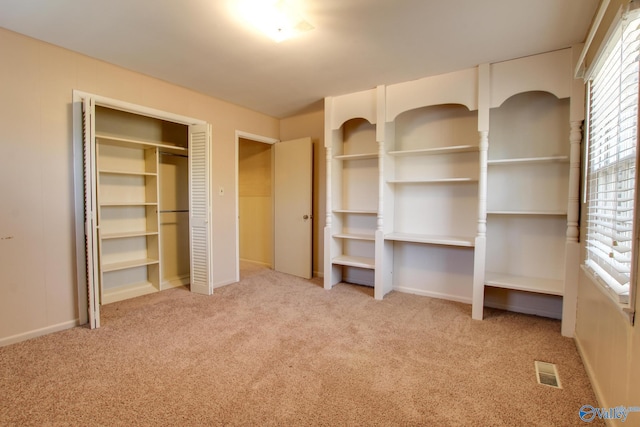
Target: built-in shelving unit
(127,218)
(528,181)
(477,185)
(431,175)
(128,193)
(353,161)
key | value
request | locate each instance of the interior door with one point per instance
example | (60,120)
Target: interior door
(293,222)
(200,208)
(90,209)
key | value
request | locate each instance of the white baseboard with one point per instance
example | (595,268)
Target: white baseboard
(430,294)
(265,264)
(38,332)
(176,282)
(595,385)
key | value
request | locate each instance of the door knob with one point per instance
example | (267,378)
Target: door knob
(305,217)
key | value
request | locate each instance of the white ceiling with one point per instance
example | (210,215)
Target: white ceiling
(356,44)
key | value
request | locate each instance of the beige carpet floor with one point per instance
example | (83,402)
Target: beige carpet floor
(275,350)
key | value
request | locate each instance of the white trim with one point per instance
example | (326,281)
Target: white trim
(78,190)
(593,378)
(615,27)
(579,70)
(140,110)
(176,282)
(13,339)
(264,264)
(252,137)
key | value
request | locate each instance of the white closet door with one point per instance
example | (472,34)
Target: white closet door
(200,208)
(90,210)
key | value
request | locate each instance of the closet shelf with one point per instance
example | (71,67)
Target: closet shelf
(129,291)
(135,143)
(356,211)
(127,173)
(436,151)
(432,181)
(128,264)
(108,236)
(355,236)
(524,160)
(124,204)
(527,213)
(521,283)
(432,240)
(354,261)
(363,156)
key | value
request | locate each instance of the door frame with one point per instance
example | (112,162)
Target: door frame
(78,176)
(252,137)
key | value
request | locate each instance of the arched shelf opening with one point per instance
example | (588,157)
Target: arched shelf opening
(530,125)
(445,126)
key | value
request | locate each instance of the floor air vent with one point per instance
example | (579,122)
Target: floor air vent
(547,374)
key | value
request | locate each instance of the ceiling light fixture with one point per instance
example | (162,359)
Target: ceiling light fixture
(275,18)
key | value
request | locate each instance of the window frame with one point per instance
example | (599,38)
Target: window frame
(608,286)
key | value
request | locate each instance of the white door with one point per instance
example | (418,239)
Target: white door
(293,225)
(90,211)
(200,208)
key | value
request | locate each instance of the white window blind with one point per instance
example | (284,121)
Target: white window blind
(613,129)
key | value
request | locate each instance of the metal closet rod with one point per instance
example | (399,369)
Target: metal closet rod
(166,153)
(174,210)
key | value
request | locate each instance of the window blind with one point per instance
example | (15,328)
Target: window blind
(613,128)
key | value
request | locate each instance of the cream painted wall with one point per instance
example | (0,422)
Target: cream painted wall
(610,348)
(609,345)
(38,289)
(312,125)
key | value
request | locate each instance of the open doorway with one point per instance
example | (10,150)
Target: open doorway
(274,204)
(255,203)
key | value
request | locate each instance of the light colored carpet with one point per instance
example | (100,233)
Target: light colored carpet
(278,350)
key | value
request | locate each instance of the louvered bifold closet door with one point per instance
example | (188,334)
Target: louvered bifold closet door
(90,209)
(613,121)
(200,208)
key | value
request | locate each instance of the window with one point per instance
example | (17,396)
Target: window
(611,166)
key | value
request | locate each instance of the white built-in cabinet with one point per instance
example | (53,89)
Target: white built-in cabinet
(450,184)
(527,193)
(352,212)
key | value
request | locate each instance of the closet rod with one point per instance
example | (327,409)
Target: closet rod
(175,210)
(166,153)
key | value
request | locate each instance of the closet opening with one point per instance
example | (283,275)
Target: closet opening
(142,204)
(255,205)
(143,210)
